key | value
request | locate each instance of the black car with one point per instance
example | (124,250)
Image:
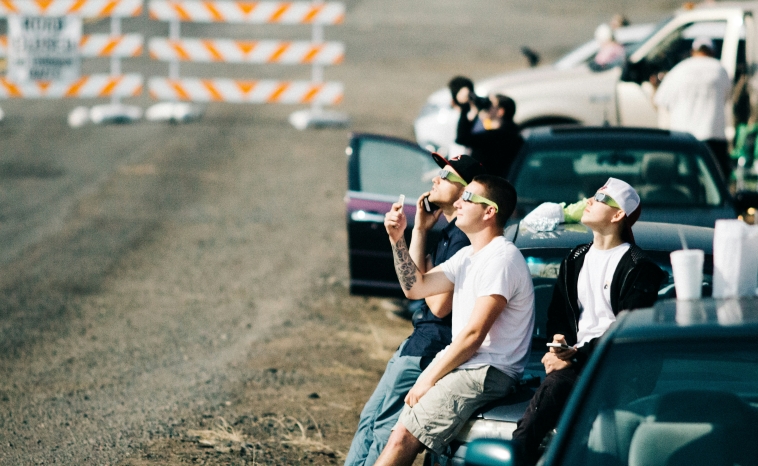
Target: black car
(676,384)
(675,175)
(544,251)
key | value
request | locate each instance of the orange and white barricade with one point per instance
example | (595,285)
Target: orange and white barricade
(316,53)
(115,45)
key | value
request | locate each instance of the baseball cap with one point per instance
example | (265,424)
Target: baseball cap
(466,166)
(702,42)
(629,202)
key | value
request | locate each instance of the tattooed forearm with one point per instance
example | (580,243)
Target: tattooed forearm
(404,266)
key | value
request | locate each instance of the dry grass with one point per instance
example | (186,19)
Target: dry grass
(302,441)
(221,432)
(284,429)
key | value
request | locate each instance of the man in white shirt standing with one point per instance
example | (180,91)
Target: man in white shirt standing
(493,318)
(695,93)
(595,282)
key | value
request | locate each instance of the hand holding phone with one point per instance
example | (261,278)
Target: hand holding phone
(561,346)
(430,207)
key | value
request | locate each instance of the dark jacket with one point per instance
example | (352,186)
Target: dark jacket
(495,148)
(635,285)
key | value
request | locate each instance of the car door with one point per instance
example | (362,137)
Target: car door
(670,45)
(380,168)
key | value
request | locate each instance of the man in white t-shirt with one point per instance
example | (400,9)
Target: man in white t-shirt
(492,318)
(695,93)
(595,282)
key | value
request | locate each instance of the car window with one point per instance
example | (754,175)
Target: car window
(677,45)
(390,168)
(662,178)
(679,388)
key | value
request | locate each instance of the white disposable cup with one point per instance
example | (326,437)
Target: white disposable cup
(687,265)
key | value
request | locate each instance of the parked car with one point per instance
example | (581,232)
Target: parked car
(672,385)
(436,124)
(676,176)
(544,252)
(622,95)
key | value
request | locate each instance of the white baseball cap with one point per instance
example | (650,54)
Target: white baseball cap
(629,202)
(702,42)
(624,195)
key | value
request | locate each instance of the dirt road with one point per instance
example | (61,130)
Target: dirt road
(176,294)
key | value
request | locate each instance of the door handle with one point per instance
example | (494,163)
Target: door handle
(363,216)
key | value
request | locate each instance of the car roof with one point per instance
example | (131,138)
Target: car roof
(690,319)
(650,236)
(586,134)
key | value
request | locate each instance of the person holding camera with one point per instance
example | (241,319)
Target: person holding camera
(498,142)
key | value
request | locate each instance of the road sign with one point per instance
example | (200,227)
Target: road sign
(43,48)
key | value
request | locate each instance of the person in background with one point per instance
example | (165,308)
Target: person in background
(611,53)
(695,93)
(595,282)
(498,141)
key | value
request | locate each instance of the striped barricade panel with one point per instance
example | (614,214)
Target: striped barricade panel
(84,8)
(230,90)
(208,11)
(231,51)
(92,86)
(99,45)
(104,45)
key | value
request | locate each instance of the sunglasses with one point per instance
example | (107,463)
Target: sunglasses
(468,196)
(606,199)
(451,177)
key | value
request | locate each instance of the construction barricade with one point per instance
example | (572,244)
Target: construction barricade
(114,45)
(317,53)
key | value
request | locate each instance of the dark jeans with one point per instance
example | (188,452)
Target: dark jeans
(543,412)
(720,149)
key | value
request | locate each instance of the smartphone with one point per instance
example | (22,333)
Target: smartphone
(430,207)
(558,345)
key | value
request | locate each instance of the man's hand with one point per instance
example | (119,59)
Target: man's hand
(553,363)
(419,389)
(395,222)
(424,220)
(558,358)
(560,353)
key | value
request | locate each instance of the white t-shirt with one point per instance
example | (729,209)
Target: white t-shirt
(496,269)
(695,93)
(594,291)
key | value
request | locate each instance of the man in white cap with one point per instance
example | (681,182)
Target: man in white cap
(695,93)
(595,282)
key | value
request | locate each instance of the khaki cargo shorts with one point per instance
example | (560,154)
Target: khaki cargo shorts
(441,413)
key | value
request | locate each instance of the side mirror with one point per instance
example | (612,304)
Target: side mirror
(491,452)
(744,200)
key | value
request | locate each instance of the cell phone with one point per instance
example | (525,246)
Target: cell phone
(430,207)
(558,345)
(401,199)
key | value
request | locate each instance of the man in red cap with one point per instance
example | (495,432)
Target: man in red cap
(595,282)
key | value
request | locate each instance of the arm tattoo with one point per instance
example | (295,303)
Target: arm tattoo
(404,266)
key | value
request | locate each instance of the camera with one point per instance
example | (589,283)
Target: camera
(482,103)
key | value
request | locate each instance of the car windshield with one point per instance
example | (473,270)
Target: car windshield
(661,177)
(633,48)
(544,264)
(668,400)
